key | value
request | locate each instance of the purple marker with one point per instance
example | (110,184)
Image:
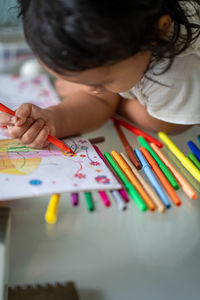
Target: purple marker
(74,199)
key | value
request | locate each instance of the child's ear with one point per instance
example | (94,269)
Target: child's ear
(164,25)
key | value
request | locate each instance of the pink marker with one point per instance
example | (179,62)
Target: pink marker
(104,198)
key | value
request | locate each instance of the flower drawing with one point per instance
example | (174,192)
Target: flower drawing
(102,179)
(95,163)
(80,175)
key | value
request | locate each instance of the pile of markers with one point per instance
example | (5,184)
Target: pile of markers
(163,179)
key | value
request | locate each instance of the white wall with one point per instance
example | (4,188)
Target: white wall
(8,13)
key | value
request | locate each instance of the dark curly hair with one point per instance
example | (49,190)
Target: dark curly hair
(76,35)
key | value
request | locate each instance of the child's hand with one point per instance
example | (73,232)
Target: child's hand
(31,125)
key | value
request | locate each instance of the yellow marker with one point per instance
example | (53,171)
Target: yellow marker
(51,213)
(183,159)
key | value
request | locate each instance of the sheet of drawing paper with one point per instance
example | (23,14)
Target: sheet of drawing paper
(26,172)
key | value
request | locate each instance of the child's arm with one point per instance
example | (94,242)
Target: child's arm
(79,112)
(137,113)
(82,111)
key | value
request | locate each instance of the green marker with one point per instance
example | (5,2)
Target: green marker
(88,198)
(128,186)
(162,166)
(193,159)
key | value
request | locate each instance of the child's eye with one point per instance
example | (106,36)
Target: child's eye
(94,85)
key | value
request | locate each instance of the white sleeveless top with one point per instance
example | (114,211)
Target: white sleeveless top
(178,100)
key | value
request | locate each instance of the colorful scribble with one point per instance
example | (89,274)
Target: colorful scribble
(17,159)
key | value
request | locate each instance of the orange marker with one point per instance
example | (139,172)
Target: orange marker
(127,170)
(187,188)
(58,143)
(169,189)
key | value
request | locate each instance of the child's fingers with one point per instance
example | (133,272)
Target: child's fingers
(22,113)
(46,143)
(6,119)
(16,132)
(31,134)
(41,139)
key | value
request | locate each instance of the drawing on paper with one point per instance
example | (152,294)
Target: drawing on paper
(27,172)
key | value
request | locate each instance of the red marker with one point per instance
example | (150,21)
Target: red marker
(7,110)
(52,139)
(138,132)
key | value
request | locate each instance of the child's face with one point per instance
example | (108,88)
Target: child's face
(116,78)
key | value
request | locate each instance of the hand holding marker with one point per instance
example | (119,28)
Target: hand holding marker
(50,138)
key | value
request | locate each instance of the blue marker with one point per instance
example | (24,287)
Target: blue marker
(195,150)
(152,178)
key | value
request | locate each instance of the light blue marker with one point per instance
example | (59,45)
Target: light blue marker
(152,178)
(198,139)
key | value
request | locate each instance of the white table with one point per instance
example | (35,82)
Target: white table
(109,254)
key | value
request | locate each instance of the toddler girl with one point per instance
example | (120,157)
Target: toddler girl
(139,58)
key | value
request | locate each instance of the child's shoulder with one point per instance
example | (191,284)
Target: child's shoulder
(174,95)
(182,68)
